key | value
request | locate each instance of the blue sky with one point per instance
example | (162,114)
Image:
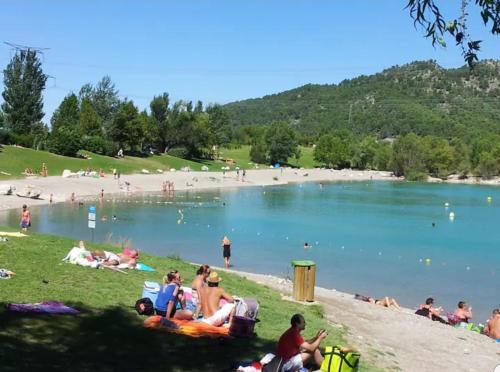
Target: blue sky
(219,51)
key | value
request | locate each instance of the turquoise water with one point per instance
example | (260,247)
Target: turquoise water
(367,237)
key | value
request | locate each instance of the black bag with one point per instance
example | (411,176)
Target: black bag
(144,306)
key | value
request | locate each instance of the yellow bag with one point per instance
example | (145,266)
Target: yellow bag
(337,360)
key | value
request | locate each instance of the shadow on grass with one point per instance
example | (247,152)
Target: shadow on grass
(112,339)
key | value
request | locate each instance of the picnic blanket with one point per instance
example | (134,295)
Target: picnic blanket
(190,328)
(46,307)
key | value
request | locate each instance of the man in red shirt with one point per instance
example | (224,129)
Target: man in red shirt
(294,350)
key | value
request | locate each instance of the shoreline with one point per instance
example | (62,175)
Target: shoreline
(89,188)
(86,188)
(392,339)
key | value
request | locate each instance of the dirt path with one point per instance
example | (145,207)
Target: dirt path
(399,340)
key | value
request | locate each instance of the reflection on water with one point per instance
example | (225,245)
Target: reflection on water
(367,237)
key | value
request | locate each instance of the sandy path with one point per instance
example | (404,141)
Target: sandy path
(399,340)
(88,187)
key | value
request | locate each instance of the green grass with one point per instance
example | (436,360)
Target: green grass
(14,160)
(108,335)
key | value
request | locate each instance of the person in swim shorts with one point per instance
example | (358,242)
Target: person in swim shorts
(294,350)
(211,296)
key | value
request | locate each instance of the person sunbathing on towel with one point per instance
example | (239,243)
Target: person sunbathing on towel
(129,257)
(211,296)
(106,258)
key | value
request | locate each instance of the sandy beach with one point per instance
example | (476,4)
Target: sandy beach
(89,187)
(397,340)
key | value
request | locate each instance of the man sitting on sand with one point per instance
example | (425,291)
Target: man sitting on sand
(294,351)
(210,297)
(428,310)
(492,328)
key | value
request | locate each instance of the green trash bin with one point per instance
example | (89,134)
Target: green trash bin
(304,276)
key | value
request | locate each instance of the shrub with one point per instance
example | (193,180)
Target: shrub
(65,141)
(413,175)
(178,152)
(6,137)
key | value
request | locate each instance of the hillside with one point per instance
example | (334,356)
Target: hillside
(421,97)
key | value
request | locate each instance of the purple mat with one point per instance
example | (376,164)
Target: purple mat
(47,307)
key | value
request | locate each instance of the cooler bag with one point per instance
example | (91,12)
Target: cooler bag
(242,326)
(338,361)
(151,290)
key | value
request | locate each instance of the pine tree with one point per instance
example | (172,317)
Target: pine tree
(24,82)
(67,114)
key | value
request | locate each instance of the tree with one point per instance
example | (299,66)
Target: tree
(488,165)
(438,156)
(24,82)
(332,151)
(90,122)
(407,155)
(428,15)
(160,115)
(282,143)
(126,128)
(2,120)
(150,131)
(67,114)
(258,152)
(364,154)
(104,98)
(219,124)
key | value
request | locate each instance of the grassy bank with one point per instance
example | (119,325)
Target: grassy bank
(14,160)
(108,335)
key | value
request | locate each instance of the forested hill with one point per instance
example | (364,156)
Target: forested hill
(421,97)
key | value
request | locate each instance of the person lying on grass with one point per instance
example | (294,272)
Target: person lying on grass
(168,298)
(294,350)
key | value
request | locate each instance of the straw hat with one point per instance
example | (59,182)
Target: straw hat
(213,277)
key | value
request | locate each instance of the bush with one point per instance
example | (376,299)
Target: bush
(6,137)
(65,141)
(258,153)
(179,152)
(25,140)
(414,175)
(94,144)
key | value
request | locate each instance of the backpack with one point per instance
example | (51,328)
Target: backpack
(144,306)
(337,360)
(247,308)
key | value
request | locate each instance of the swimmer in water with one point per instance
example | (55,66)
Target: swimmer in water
(433,224)
(307,245)
(114,217)
(104,218)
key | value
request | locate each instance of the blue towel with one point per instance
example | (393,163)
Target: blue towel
(143,267)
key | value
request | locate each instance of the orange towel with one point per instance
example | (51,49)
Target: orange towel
(187,327)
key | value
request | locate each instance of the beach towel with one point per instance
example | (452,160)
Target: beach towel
(12,234)
(143,267)
(191,328)
(47,307)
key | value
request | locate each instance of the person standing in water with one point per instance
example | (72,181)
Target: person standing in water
(226,251)
(25,218)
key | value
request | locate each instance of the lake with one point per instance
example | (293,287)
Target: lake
(373,238)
